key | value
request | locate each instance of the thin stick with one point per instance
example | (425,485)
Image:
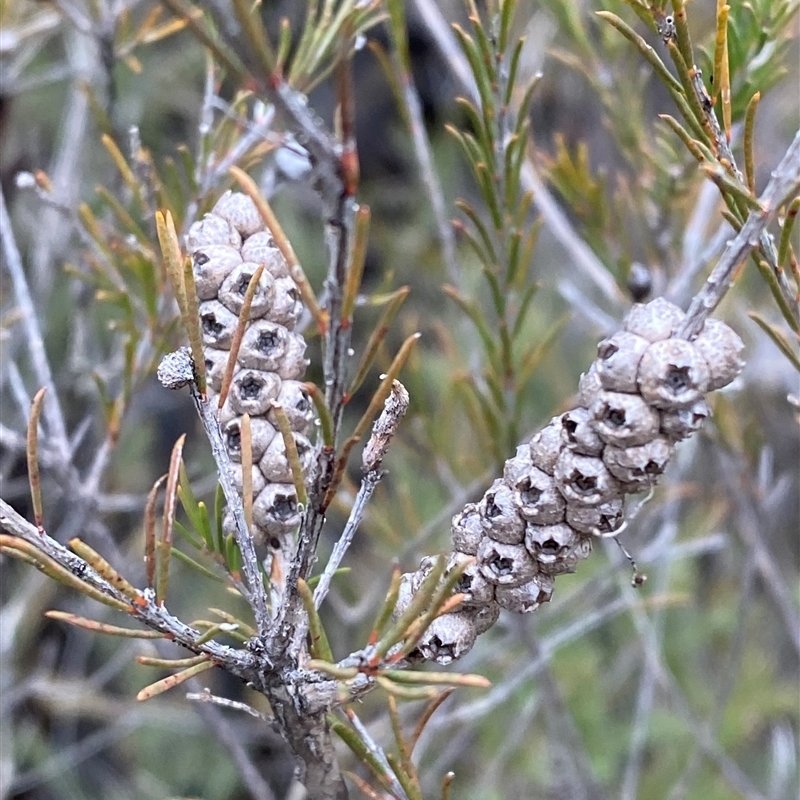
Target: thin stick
(382,432)
(53,415)
(784,181)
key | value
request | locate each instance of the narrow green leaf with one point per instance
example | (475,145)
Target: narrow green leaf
(102,627)
(195,565)
(173,680)
(749,125)
(318,644)
(476,317)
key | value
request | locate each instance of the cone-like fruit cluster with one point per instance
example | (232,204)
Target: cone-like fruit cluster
(644,393)
(227,246)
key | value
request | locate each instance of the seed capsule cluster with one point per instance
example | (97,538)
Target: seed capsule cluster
(644,393)
(227,246)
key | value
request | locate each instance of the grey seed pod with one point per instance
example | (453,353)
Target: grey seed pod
(672,374)
(216,361)
(252,392)
(217,324)
(260,248)
(655,321)
(638,466)
(261,435)
(294,360)
(258,479)
(448,638)
(227,412)
(287,305)
(453,560)
(624,419)
(721,348)
(294,399)
(605,518)
(275,510)
(405,594)
(472,583)
(466,530)
(584,480)
(589,386)
(234,288)
(618,360)
(528,596)
(556,548)
(240,211)
(264,345)
(578,433)
(505,564)
(546,446)
(483,617)
(537,498)
(517,467)
(275,465)
(212,230)
(681,423)
(498,511)
(212,264)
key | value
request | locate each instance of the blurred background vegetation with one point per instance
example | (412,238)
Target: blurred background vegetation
(687,687)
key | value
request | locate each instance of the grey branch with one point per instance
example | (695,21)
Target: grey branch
(785,181)
(237,662)
(52,410)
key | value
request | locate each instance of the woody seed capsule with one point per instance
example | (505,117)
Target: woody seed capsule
(260,248)
(528,596)
(537,498)
(286,305)
(275,510)
(556,548)
(217,324)
(294,399)
(483,617)
(638,467)
(252,391)
(499,513)
(721,348)
(259,482)
(261,434)
(618,360)
(624,419)
(546,446)
(234,288)
(294,360)
(672,374)
(275,464)
(448,637)
(589,386)
(655,321)
(216,361)
(240,211)
(578,432)
(212,264)
(473,584)
(584,479)
(264,345)
(466,530)
(505,564)
(588,520)
(212,230)
(681,423)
